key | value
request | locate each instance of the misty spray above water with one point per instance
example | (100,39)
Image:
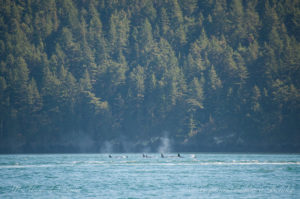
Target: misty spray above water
(165,145)
(107,147)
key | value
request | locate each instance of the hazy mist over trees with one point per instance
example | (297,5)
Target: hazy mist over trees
(210,75)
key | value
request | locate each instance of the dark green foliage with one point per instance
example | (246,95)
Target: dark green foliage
(212,75)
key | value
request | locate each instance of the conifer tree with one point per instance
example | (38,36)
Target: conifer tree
(215,82)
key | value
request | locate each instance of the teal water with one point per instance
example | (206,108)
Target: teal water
(132,176)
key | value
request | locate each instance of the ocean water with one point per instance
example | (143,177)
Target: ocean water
(132,176)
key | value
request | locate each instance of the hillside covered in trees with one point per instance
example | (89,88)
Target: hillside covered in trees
(119,75)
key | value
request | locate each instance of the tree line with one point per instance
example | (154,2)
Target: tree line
(211,75)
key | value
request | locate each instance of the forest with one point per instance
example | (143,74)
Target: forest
(125,75)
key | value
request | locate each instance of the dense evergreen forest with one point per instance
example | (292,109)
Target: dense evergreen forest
(120,75)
